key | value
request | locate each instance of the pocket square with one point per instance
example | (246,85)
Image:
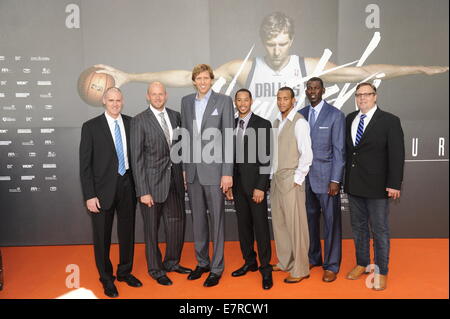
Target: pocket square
(323,127)
(215,112)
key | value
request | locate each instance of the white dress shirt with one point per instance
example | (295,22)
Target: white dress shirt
(355,122)
(303,138)
(166,117)
(112,128)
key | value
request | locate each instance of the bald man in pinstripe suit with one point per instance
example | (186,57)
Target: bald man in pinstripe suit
(159,183)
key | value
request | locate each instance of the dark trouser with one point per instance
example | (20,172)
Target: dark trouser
(373,212)
(172,212)
(253,223)
(211,198)
(330,207)
(125,206)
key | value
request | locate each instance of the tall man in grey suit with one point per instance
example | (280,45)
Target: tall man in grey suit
(159,183)
(209,118)
(327,129)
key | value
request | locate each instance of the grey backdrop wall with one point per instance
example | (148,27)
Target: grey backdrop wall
(43,50)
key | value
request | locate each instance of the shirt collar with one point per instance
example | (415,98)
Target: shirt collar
(317,108)
(207,95)
(157,112)
(370,113)
(110,119)
(290,116)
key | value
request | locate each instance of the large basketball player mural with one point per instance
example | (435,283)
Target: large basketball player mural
(264,75)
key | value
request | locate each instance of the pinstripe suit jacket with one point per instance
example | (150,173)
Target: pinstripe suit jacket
(151,161)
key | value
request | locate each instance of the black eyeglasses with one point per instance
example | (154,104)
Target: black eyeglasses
(358,95)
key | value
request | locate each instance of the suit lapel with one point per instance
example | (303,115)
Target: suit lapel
(155,123)
(209,109)
(322,115)
(105,129)
(369,127)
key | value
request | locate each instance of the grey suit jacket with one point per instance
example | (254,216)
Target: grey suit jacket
(328,145)
(218,116)
(151,160)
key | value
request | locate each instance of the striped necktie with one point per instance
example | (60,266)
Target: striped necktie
(360,130)
(165,127)
(119,149)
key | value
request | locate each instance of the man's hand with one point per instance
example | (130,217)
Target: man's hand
(258,196)
(225,183)
(120,77)
(333,189)
(393,193)
(431,70)
(147,200)
(229,194)
(93,205)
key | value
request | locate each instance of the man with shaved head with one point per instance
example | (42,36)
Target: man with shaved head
(159,183)
(107,184)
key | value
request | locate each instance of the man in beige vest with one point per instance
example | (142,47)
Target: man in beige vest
(294,156)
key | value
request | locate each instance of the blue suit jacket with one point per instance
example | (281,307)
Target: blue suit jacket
(328,145)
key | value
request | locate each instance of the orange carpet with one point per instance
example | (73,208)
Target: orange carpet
(419,268)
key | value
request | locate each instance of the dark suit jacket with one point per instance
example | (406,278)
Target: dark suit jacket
(248,170)
(151,160)
(98,160)
(377,161)
(328,145)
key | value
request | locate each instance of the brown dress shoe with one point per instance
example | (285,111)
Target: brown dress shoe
(328,276)
(379,282)
(293,280)
(356,272)
(276,268)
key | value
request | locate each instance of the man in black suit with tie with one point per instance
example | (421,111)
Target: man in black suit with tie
(374,172)
(159,183)
(108,187)
(251,181)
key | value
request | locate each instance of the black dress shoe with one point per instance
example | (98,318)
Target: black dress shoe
(181,270)
(164,280)
(130,280)
(267,282)
(212,280)
(110,290)
(197,273)
(244,269)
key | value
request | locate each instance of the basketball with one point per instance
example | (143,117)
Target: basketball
(91,86)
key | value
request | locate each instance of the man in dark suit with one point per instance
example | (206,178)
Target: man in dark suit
(374,172)
(159,183)
(327,129)
(251,182)
(208,117)
(108,187)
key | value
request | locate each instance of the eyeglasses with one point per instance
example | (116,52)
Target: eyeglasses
(358,95)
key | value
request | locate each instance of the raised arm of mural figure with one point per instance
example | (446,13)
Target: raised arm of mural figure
(176,78)
(356,74)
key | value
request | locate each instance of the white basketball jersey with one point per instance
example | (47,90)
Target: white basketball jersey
(264,83)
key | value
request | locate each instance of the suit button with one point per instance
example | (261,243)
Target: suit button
(353,165)
(354,153)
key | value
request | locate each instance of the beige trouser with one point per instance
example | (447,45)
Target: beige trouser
(290,226)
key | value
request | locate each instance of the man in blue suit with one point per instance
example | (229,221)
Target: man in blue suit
(327,129)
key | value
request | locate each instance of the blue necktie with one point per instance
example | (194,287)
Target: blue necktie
(360,130)
(119,149)
(312,120)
